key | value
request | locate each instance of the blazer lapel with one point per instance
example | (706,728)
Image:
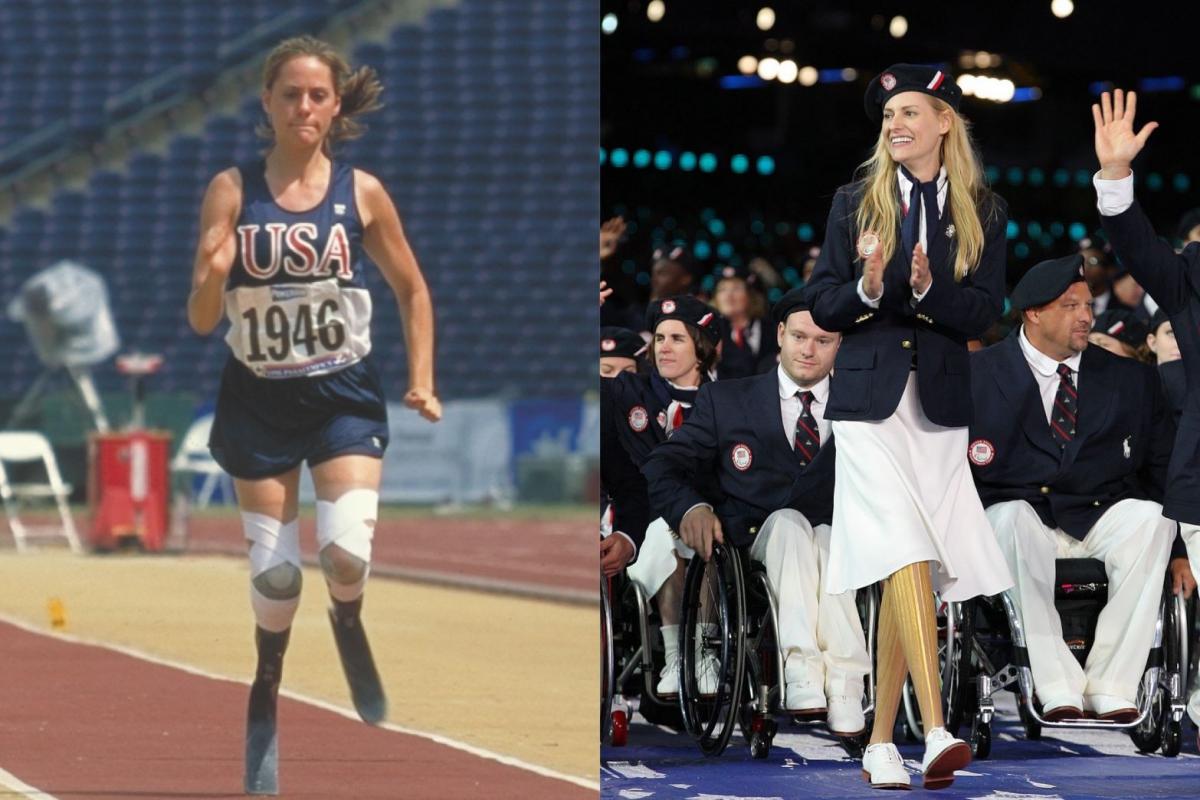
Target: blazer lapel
(1016,384)
(1096,394)
(768,415)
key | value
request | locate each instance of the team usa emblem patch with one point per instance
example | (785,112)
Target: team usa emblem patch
(741,456)
(608,344)
(662,419)
(638,418)
(668,306)
(981,452)
(887,81)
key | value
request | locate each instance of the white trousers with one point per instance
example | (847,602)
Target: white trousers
(1133,539)
(820,634)
(1191,540)
(656,558)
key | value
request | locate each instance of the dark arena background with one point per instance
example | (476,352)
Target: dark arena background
(726,127)
(124,622)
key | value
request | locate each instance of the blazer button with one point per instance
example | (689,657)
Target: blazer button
(1045,490)
(906,344)
(1095,502)
(753,531)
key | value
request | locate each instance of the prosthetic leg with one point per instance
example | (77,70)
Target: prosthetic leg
(366,690)
(262,750)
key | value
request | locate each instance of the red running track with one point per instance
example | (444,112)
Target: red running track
(551,558)
(71,728)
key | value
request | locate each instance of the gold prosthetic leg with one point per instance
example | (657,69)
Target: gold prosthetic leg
(892,667)
(917,630)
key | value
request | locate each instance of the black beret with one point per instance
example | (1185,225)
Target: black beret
(620,342)
(687,309)
(795,300)
(1122,325)
(1044,282)
(909,78)
(1157,320)
(730,271)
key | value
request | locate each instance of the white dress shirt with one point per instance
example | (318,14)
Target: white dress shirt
(1113,197)
(1045,371)
(790,405)
(905,191)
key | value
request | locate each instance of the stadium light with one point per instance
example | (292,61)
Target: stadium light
(687,161)
(747,65)
(1061,8)
(788,71)
(739,163)
(765,19)
(609,23)
(809,76)
(898,27)
(655,10)
(768,69)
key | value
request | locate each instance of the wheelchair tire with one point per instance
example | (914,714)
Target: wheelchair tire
(711,720)
(607,666)
(1033,728)
(1172,738)
(620,728)
(958,679)
(981,740)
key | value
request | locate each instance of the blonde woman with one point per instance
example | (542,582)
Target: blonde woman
(281,257)
(911,269)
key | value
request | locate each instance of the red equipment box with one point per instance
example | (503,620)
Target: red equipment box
(129,488)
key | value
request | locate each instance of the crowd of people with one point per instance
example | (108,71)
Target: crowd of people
(905,418)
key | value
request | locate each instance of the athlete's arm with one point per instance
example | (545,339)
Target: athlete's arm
(215,251)
(384,241)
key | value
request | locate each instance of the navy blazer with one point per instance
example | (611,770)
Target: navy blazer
(878,345)
(735,432)
(742,362)
(1120,450)
(1173,280)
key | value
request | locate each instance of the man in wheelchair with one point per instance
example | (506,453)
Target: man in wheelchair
(765,440)
(1069,448)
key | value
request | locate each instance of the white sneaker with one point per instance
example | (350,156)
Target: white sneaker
(706,677)
(943,755)
(845,715)
(883,767)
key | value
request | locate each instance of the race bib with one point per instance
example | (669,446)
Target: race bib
(298,329)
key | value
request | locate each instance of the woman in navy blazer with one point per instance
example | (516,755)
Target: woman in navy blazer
(911,269)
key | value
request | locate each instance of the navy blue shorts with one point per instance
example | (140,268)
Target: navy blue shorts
(266,427)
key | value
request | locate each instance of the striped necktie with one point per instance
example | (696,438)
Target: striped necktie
(1065,409)
(806,439)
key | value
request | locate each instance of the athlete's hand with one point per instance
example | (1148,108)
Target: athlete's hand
(1182,578)
(873,266)
(605,291)
(220,247)
(1116,143)
(610,234)
(699,528)
(425,402)
(921,277)
(615,552)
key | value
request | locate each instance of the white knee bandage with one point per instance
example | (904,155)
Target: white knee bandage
(349,522)
(272,544)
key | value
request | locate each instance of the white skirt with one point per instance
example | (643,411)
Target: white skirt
(904,494)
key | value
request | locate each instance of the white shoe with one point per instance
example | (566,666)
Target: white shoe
(804,697)
(943,755)
(668,681)
(706,677)
(883,767)
(845,715)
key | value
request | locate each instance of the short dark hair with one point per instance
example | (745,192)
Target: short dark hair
(706,348)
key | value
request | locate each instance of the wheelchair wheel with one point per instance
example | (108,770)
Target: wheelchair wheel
(981,739)
(958,684)
(761,679)
(714,595)
(1033,728)
(607,666)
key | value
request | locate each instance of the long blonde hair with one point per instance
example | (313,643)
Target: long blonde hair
(967,197)
(359,90)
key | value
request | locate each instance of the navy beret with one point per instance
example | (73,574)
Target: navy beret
(795,300)
(1044,282)
(620,342)
(688,309)
(909,78)
(1122,325)
(1157,320)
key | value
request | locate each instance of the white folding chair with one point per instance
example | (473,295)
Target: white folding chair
(193,458)
(24,447)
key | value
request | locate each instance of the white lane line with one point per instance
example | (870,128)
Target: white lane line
(11,783)
(312,701)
